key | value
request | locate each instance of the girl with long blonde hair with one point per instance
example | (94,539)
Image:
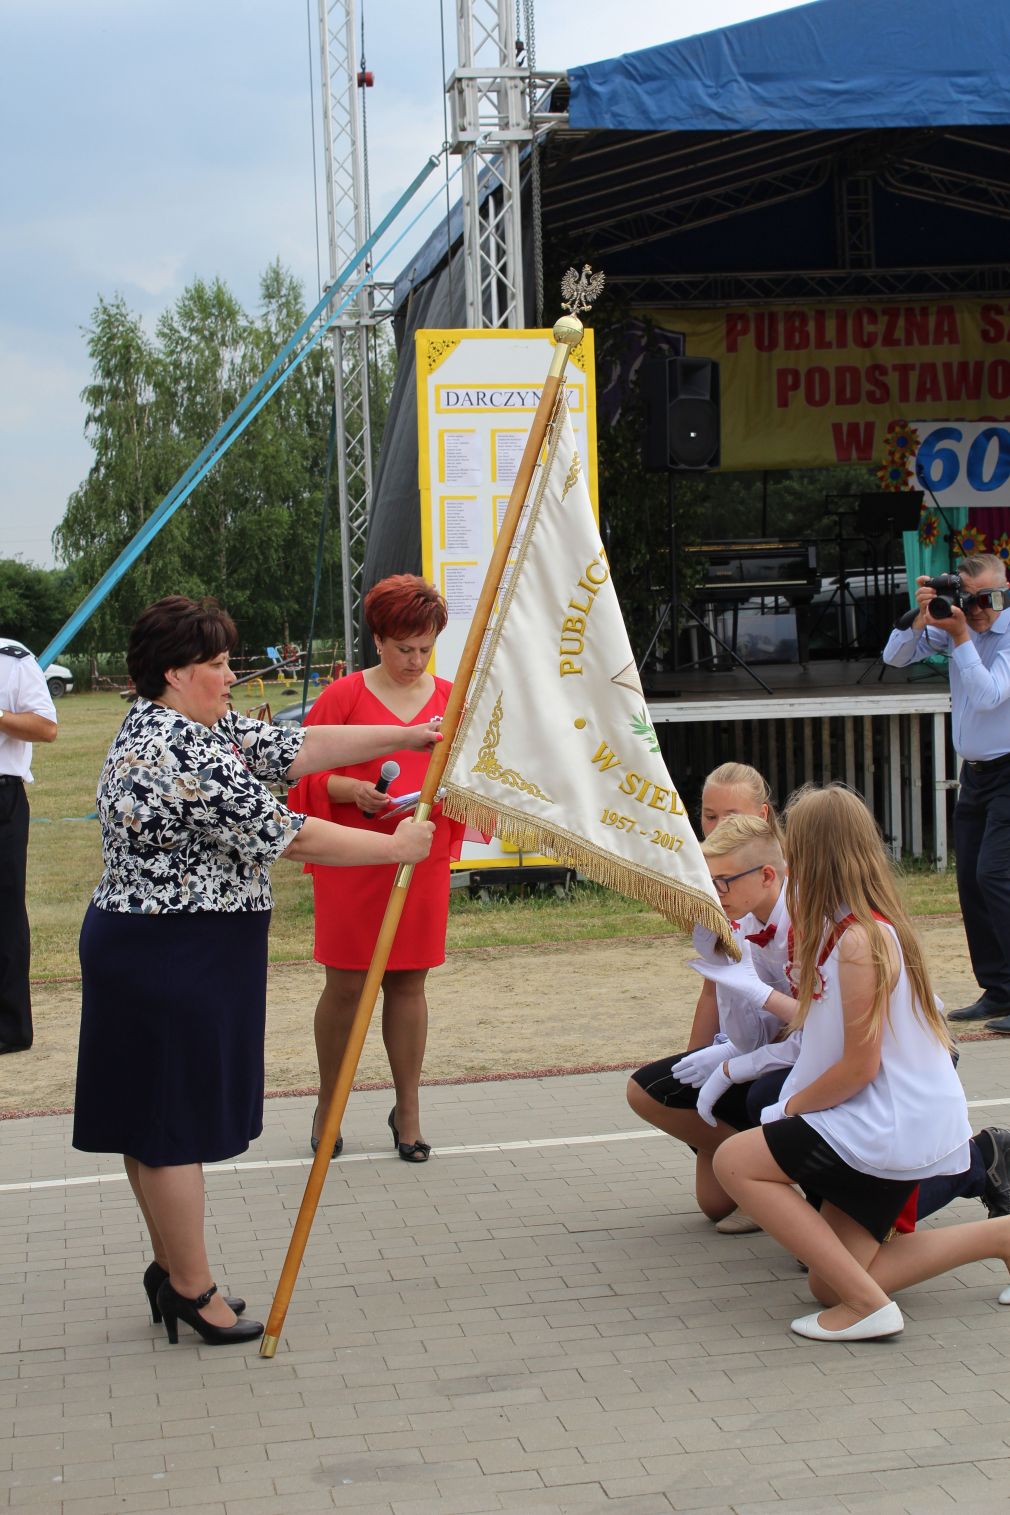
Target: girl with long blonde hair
(873,1104)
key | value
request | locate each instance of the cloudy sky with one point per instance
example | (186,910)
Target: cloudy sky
(146,144)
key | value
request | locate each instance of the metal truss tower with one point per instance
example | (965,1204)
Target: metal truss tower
(348,218)
(497,107)
(490,103)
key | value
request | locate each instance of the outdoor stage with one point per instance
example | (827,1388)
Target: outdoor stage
(840,257)
(886,736)
(795,684)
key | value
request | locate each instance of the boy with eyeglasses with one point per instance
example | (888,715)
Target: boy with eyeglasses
(740,1023)
(976,639)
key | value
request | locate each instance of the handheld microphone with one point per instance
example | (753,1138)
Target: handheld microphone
(904,621)
(389,771)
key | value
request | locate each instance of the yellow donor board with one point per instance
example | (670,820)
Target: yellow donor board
(812,385)
(477,392)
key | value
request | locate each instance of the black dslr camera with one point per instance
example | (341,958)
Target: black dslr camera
(948,590)
(948,593)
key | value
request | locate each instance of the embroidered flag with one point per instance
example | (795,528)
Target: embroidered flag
(556,751)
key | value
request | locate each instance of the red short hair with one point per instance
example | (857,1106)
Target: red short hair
(405,606)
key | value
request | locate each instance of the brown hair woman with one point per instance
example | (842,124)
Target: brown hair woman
(174,943)
(404,614)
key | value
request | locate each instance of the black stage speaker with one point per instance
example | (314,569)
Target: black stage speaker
(889,513)
(681,414)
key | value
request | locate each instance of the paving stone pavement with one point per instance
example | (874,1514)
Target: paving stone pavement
(536,1321)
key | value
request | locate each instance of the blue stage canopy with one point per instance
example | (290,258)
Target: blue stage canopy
(830,65)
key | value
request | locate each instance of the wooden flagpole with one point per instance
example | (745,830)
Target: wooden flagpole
(567,334)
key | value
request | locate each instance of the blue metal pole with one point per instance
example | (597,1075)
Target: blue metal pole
(181,490)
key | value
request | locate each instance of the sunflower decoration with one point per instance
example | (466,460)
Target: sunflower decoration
(969,540)
(929,529)
(1001,548)
(900,438)
(894,473)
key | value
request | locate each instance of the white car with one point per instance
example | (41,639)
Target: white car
(59,679)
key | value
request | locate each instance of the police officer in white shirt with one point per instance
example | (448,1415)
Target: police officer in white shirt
(977,638)
(27,715)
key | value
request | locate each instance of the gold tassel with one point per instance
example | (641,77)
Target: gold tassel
(680,904)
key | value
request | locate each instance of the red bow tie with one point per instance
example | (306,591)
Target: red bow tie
(762,938)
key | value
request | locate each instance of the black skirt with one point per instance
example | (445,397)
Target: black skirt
(802,1153)
(662,1085)
(173,1017)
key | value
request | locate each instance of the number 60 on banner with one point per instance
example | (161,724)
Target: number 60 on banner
(972,456)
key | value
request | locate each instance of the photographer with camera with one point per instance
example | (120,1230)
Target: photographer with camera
(967,616)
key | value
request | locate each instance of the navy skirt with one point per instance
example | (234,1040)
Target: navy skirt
(173,1017)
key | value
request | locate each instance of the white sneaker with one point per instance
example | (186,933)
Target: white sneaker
(1003,1297)
(736,1223)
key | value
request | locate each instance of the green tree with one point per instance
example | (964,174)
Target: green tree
(248,533)
(205,354)
(34,602)
(134,465)
(280,480)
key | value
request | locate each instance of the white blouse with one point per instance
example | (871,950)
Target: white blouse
(911,1121)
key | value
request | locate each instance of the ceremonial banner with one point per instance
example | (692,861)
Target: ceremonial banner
(556,750)
(805,386)
(477,392)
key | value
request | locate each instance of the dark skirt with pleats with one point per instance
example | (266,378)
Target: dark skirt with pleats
(173,1017)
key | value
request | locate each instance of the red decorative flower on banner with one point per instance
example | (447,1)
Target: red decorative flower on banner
(894,473)
(929,530)
(901,438)
(1001,547)
(969,540)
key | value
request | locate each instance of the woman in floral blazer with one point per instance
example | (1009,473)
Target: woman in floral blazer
(174,943)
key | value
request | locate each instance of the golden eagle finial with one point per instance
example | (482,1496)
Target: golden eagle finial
(579,290)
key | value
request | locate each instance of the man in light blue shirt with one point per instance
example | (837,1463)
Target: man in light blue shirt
(977,639)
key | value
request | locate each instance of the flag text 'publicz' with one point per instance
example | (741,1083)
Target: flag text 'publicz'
(573,627)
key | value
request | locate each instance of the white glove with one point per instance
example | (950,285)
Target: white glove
(747,1066)
(704,941)
(739,978)
(695,1068)
(774,1112)
(711,1092)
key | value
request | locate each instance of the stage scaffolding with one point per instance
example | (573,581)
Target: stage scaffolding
(892,745)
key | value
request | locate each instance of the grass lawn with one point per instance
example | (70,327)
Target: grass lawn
(65,863)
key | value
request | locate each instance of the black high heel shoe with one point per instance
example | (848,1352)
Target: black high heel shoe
(156,1276)
(175,1307)
(338,1145)
(410,1152)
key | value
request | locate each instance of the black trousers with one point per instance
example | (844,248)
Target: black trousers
(15,943)
(982,843)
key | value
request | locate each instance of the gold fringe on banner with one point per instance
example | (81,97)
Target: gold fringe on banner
(681,904)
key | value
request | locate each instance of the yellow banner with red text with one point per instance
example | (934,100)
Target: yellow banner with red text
(813,385)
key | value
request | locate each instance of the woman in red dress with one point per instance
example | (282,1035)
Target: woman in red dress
(404,614)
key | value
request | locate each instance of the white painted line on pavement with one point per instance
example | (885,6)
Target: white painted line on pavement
(268,1165)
